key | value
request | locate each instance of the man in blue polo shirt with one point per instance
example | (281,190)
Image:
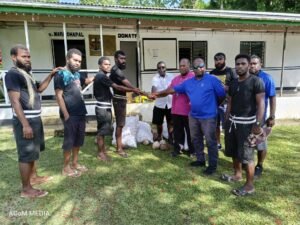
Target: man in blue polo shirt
(270,96)
(205,92)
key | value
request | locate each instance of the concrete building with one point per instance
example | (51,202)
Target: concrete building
(148,35)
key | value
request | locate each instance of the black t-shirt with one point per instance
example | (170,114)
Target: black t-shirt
(243,96)
(226,76)
(72,96)
(102,85)
(117,76)
(15,81)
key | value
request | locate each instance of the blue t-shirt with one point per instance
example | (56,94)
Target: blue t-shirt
(203,95)
(270,89)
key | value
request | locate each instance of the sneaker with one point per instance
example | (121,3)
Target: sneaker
(209,171)
(219,147)
(258,171)
(198,163)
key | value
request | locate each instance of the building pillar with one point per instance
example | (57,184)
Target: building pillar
(65,38)
(282,61)
(101,40)
(138,46)
(26,35)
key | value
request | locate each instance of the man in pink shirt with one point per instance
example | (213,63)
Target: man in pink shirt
(181,109)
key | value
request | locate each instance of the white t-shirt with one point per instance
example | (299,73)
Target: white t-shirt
(162,83)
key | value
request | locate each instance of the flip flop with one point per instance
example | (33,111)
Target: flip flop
(39,194)
(42,180)
(229,178)
(122,154)
(242,192)
(107,159)
(80,168)
(74,173)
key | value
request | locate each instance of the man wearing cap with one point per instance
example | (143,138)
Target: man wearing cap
(205,92)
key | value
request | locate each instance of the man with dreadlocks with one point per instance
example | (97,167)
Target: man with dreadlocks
(24,92)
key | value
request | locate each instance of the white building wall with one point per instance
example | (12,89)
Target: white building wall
(227,42)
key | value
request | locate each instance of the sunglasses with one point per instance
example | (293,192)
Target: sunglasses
(199,66)
(161,67)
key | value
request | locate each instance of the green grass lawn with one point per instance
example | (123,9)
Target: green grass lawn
(152,188)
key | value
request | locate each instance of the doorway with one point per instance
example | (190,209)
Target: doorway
(58,48)
(130,49)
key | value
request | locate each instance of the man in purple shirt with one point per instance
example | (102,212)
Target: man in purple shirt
(181,109)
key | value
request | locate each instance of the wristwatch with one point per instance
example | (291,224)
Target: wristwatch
(272,117)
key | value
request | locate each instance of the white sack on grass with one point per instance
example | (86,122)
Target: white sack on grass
(128,133)
(144,132)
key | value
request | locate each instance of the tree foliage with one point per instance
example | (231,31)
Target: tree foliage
(257,5)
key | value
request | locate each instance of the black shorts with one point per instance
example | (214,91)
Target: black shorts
(120,111)
(159,114)
(236,144)
(29,149)
(104,118)
(74,132)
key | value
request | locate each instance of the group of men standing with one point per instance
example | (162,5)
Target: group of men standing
(191,103)
(236,99)
(24,91)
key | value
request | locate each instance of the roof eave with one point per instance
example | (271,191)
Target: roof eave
(234,17)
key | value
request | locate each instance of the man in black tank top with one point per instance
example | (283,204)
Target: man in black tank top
(244,115)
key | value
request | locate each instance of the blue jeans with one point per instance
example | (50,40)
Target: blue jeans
(206,128)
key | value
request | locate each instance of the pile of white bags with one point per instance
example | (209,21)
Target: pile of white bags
(134,132)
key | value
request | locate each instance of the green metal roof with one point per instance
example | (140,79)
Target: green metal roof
(217,16)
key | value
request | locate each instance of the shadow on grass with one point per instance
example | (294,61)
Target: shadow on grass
(149,187)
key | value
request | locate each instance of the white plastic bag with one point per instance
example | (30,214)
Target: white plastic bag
(186,146)
(144,132)
(128,133)
(165,132)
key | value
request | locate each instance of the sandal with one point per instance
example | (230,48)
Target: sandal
(242,192)
(229,178)
(122,154)
(74,173)
(39,194)
(103,157)
(80,168)
(40,180)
